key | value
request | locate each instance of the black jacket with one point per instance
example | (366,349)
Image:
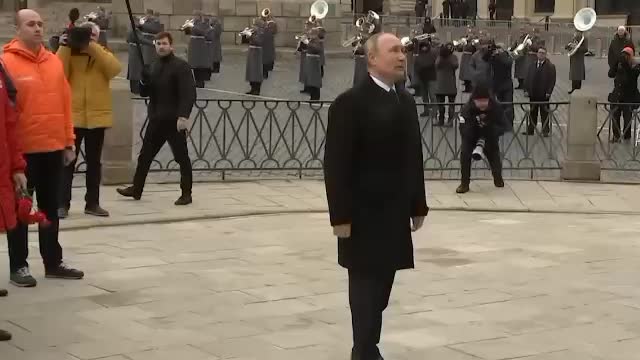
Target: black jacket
(492,124)
(543,80)
(425,65)
(374,177)
(501,66)
(625,83)
(171,91)
(615,49)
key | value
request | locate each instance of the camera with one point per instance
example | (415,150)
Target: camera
(79,38)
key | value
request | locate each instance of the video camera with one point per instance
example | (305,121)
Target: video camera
(79,38)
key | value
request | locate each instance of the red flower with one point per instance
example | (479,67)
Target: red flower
(25,214)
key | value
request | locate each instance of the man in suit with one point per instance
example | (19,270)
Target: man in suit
(543,79)
(374,179)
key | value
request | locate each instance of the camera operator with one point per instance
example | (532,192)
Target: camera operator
(501,64)
(481,125)
(89,68)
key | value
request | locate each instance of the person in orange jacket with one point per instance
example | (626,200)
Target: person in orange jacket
(45,130)
(12,163)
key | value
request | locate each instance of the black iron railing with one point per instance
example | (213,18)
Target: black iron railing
(618,137)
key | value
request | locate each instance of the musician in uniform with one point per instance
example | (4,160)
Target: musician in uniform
(501,65)
(520,71)
(468,49)
(269,46)
(142,35)
(313,64)
(253,70)
(102,19)
(302,49)
(577,72)
(532,56)
(198,53)
(214,43)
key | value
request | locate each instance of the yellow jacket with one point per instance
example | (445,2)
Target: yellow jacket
(89,74)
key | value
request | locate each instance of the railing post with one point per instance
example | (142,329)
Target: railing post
(581,162)
(117,163)
(599,53)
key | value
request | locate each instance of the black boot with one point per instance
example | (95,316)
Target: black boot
(5,335)
(305,90)
(315,93)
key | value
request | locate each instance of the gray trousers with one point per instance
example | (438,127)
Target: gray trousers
(428,95)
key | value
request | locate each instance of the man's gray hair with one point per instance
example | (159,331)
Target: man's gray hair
(91,25)
(371,46)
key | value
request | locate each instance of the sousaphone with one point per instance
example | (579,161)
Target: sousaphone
(584,20)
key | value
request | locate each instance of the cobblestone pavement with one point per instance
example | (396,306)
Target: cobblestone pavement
(268,287)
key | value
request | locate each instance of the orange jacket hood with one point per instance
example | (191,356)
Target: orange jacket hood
(15,46)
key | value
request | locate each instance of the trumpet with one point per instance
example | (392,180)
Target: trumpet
(303,38)
(187,24)
(462,42)
(266,12)
(525,43)
(246,32)
(143,20)
(91,16)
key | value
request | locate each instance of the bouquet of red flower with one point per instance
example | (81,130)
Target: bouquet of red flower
(26,215)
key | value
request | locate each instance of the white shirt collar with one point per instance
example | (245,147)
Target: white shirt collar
(380,83)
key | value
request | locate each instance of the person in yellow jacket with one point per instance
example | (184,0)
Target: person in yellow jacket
(89,67)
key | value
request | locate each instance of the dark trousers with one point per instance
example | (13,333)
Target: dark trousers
(626,112)
(506,98)
(576,84)
(428,94)
(469,140)
(544,115)
(452,107)
(368,297)
(93,141)
(44,174)
(201,75)
(314,92)
(154,139)
(134,86)
(255,88)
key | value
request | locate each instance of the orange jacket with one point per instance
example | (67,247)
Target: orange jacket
(44,98)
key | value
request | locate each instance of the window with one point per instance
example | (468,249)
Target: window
(545,6)
(612,7)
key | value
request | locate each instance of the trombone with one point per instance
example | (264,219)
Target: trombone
(188,24)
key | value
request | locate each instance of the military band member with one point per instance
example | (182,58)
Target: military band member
(532,56)
(466,73)
(214,43)
(102,20)
(269,46)
(577,71)
(520,71)
(137,65)
(253,70)
(198,54)
(302,49)
(501,64)
(313,64)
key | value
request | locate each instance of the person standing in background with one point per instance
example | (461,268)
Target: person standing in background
(446,11)
(446,88)
(45,128)
(89,70)
(543,80)
(577,71)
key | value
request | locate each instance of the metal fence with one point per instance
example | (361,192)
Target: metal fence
(233,136)
(618,139)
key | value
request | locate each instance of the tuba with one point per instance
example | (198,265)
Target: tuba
(319,10)
(584,20)
(266,13)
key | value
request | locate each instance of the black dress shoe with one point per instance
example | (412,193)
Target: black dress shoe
(499,182)
(3,292)
(128,192)
(184,200)
(5,335)
(463,188)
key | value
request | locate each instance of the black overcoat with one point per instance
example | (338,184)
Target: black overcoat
(374,176)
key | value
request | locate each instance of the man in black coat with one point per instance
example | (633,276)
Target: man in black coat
(620,40)
(374,179)
(543,79)
(501,64)
(171,90)
(625,90)
(482,123)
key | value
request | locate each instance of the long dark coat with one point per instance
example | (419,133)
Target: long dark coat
(135,65)
(615,49)
(313,64)
(269,46)
(360,71)
(199,54)
(373,171)
(542,80)
(577,69)
(214,43)
(446,83)
(466,73)
(303,54)
(520,71)
(253,70)
(480,68)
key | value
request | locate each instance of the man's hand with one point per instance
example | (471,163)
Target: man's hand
(416,223)
(342,231)
(69,155)
(20,181)
(182,124)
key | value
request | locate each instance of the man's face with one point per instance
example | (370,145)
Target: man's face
(481,104)
(542,54)
(163,47)
(30,28)
(95,33)
(621,32)
(389,59)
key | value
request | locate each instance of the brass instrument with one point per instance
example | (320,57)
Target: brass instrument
(188,24)
(92,16)
(584,20)
(248,32)
(266,13)
(462,42)
(143,20)
(351,40)
(319,10)
(520,48)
